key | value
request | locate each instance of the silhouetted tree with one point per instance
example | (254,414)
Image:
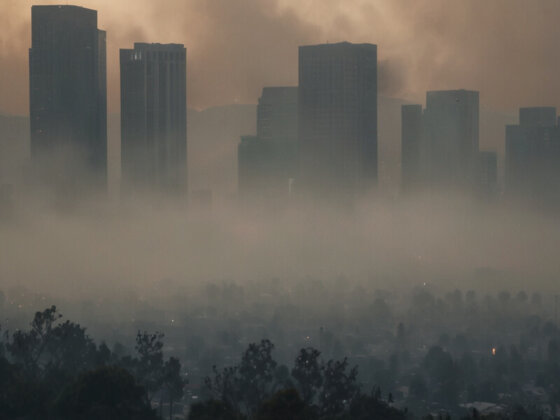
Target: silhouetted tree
(224,387)
(308,374)
(109,393)
(213,410)
(173,382)
(339,387)
(366,407)
(256,374)
(27,348)
(443,374)
(285,404)
(148,368)
(55,355)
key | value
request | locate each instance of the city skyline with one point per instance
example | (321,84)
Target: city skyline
(280,209)
(345,124)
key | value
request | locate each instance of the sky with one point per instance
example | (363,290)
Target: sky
(507,49)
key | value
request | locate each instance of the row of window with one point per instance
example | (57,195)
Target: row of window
(157,55)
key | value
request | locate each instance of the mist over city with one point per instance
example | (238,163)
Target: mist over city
(270,209)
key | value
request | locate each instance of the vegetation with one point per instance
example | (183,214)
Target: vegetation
(55,371)
(451,355)
(257,388)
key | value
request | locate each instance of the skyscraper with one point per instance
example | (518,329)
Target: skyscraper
(544,116)
(68,96)
(154,117)
(267,161)
(533,156)
(412,134)
(451,132)
(277,114)
(337,119)
(486,176)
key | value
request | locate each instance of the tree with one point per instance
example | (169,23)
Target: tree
(69,348)
(109,393)
(54,355)
(330,390)
(339,387)
(308,373)
(26,348)
(256,373)
(19,396)
(213,410)
(149,366)
(224,387)
(285,404)
(173,382)
(365,407)
(443,374)
(52,350)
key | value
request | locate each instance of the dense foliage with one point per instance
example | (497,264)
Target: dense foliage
(56,371)
(449,354)
(258,388)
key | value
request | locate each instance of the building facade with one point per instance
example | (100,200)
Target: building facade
(154,118)
(68,96)
(268,161)
(337,119)
(533,156)
(451,122)
(440,145)
(486,176)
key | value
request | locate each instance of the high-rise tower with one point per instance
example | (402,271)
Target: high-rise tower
(532,169)
(451,133)
(68,96)
(154,117)
(337,119)
(267,162)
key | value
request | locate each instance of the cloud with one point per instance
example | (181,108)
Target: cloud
(504,48)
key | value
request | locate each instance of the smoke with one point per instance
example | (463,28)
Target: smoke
(504,48)
(102,247)
(390,78)
(233,48)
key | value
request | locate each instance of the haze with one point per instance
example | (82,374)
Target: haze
(503,48)
(370,183)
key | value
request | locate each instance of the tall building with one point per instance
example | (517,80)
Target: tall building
(537,116)
(68,96)
(451,132)
(251,165)
(412,134)
(277,114)
(268,161)
(533,156)
(154,117)
(486,175)
(337,119)
(439,146)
